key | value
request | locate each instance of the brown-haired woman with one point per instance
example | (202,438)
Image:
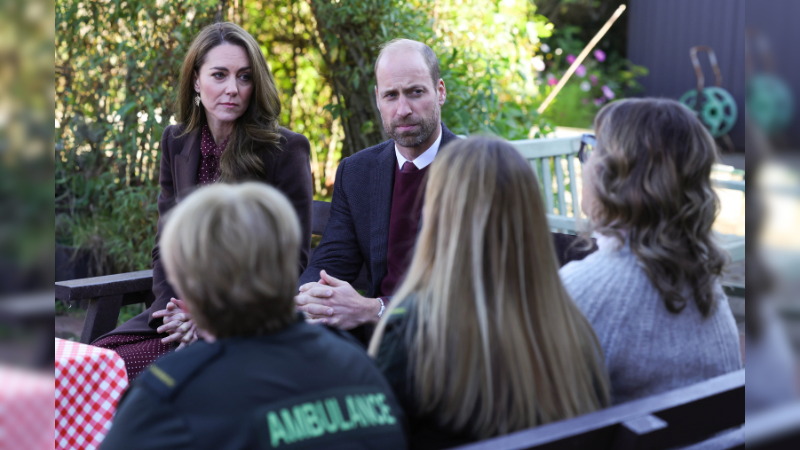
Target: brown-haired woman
(227,108)
(652,291)
(481,338)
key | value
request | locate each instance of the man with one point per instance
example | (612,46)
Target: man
(262,377)
(377,197)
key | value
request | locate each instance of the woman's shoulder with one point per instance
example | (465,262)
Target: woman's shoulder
(291,140)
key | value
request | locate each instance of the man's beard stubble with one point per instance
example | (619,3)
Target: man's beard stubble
(427,126)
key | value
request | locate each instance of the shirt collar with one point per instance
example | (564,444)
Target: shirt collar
(425,159)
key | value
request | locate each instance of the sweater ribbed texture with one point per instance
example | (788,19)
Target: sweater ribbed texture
(648,350)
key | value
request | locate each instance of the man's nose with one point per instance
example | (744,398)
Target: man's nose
(403,107)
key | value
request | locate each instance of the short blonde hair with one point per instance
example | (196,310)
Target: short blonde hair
(231,252)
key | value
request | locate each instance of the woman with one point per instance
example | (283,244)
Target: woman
(481,338)
(652,291)
(228,108)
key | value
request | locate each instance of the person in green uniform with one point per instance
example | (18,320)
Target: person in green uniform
(261,377)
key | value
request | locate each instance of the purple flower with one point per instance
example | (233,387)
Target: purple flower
(586,101)
(593,78)
(580,71)
(552,81)
(607,92)
(599,55)
(599,101)
(570,59)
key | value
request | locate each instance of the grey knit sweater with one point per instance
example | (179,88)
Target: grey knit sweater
(648,349)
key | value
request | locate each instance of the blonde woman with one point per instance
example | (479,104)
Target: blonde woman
(481,338)
(652,291)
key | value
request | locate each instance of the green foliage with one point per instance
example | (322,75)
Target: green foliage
(117,64)
(602,79)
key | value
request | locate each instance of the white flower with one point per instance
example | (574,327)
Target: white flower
(538,63)
(586,86)
(544,48)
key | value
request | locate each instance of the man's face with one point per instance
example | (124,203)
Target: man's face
(409,102)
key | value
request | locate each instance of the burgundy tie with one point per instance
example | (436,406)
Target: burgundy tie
(409,166)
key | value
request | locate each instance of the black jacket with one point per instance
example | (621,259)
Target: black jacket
(357,232)
(424,431)
(304,387)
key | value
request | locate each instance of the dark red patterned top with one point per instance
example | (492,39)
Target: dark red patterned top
(208,172)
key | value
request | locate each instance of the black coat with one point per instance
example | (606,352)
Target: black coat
(357,232)
(288,170)
(304,387)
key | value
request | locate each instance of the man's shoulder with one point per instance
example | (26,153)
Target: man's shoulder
(369,156)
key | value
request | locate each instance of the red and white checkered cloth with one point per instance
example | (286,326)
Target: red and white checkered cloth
(25,398)
(89,383)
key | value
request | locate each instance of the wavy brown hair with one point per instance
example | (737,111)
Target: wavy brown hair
(650,177)
(256,130)
(497,343)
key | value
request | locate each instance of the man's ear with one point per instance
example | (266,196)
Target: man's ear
(442,91)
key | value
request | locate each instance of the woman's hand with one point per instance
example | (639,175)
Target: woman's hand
(177,322)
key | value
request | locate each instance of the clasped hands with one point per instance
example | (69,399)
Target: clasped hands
(334,302)
(179,324)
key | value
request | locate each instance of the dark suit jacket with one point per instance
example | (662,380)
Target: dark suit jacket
(358,229)
(289,170)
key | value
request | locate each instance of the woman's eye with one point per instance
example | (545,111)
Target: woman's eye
(246,77)
(218,75)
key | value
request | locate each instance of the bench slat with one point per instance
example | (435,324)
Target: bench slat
(123,283)
(562,201)
(679,408)
(547,178)
(573,187)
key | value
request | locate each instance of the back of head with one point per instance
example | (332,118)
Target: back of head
(231,253)
(650,180)
(498,344)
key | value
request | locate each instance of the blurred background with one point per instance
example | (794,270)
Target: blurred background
(116,65)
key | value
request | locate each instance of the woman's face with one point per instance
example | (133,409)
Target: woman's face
(224,83)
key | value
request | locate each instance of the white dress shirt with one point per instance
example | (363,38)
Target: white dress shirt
(424,159)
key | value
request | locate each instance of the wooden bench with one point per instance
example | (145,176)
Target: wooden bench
(104,296)
(706,415)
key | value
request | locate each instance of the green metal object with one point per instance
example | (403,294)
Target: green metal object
(769,102)
(718,111)
(715,106)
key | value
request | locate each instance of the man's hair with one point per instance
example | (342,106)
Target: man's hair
(427,54)
(651,178)
(231,253)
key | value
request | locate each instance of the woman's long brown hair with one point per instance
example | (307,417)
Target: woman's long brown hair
(256,130)
(498,345)
(651,179)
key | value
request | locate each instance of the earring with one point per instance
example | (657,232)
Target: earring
(197,100)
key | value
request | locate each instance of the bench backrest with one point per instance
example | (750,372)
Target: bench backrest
(680,417)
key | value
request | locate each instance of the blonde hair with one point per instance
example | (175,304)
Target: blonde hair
(231,252)
(498,345)
(651,179)
(257,130)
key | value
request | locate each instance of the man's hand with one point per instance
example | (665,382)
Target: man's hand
(336,303)
(177,322)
